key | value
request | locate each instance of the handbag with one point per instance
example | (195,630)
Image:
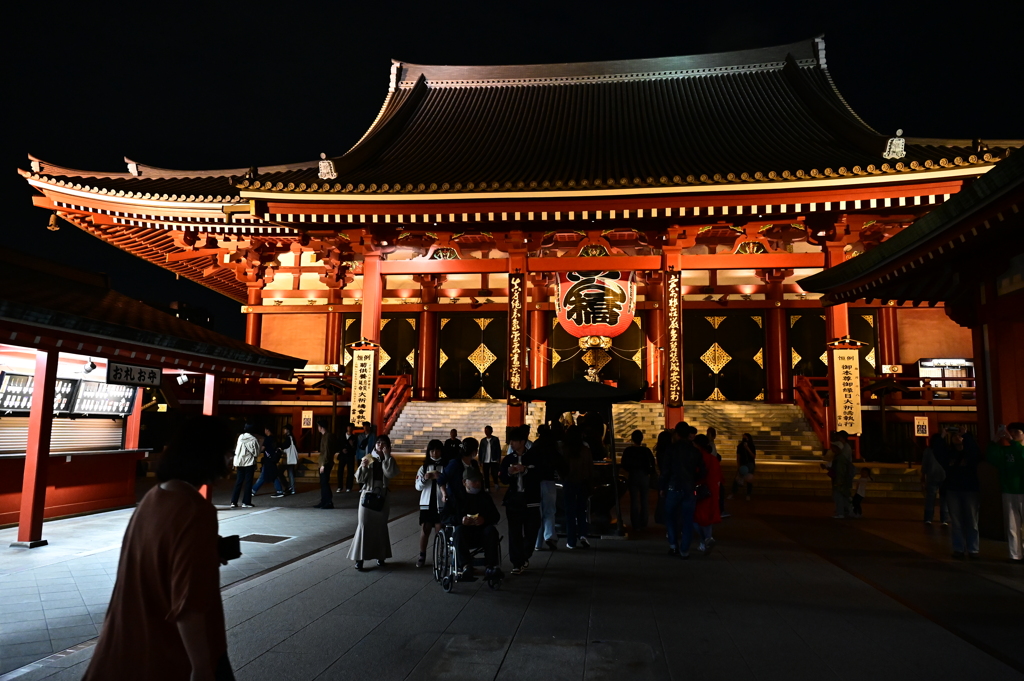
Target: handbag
(702,492)
(373,501)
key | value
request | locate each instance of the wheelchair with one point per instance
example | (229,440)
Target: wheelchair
(447,568)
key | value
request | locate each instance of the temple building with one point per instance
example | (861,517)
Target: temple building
(638,222)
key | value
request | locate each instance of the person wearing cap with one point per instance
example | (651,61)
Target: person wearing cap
(1006,453)
(474,517)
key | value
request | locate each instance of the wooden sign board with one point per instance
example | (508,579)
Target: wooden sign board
(921,426)
(846,366)
(131,374)
(307,419)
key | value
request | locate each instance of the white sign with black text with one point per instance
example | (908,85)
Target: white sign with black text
(847,379)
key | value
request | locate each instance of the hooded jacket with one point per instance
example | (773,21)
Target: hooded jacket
(246,450)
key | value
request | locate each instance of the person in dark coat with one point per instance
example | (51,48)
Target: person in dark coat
(638,463)
(451,478)
(683,466)
(962,493)
(453,448)
(347,459)
(271,469)
(474,517)
(519,470)
(329,450)
(490,458)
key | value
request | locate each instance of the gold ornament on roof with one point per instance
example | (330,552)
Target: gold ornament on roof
(716,358)
(715,321)
(759,358)
(795,356)
(896,147)
(482,358)
(326,170)
(716,396)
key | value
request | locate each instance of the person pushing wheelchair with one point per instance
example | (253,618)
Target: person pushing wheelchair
(474,518)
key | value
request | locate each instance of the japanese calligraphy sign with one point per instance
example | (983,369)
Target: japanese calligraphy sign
(596,303)
(364,384)
(674,335)
(516,331)
(129,374)
(921,426)
(846,367)
(307,418)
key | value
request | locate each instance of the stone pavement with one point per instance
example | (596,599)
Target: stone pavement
(787,593)
(55,597)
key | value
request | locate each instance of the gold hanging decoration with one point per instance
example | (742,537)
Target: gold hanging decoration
(759,358)
(759,319)
(760,397)
(482,358)
(638,358)
(716,358)
(483,322)
(346,357)
(444,320)
(716,396)
(411,358)
(870,319)
(412,322)
(793,320)
(481,394)
(870,358)
(715,321)
(442,358)
(384,358)
(348,322)
(636,320)
(596,357)
(795,357)
(441,395)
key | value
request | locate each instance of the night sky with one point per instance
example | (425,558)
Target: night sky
(228,85)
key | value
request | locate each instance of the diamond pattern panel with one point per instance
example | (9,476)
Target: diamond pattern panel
(715,321)
(795,356)
(482,358)
(716,396)
(716,358)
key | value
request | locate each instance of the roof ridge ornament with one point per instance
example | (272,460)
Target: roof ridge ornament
(327,170)
(896,147)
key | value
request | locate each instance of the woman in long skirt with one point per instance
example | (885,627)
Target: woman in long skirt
(371,540)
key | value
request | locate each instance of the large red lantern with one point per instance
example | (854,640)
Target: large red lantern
(598,303)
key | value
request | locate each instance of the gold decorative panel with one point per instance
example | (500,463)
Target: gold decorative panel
(824,358)
(481,394)
(715,321)
(716,396)
(554,322)
(793,320)
(411,358)
(442,358)
(441,395)
(716,358)
(384,359)
(759,358)
(824,317)
(759,319)
(383,323)
(346,356)
(760,397)
(596,357)
(348,322)
(555,357)
(636,320)
(482,358)
(795,356)
(412,322)
(870,358)
(870,319)
(444,320)
(483,322)
(638,358)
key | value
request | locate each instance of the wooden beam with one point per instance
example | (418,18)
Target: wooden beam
(191,255)
(391,267)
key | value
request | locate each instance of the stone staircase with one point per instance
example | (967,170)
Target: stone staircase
(808,479)
(421,422)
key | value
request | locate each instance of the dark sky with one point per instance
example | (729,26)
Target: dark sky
(228,84)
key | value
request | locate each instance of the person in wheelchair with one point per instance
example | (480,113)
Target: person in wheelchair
(474,518)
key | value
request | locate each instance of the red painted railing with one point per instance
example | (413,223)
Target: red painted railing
(807,396)
(397,397)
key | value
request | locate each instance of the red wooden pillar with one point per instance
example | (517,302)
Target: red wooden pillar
(211,406)
(888,336)
(426,370)
(539,361)
(332,342)
(37,453)
(373,290)
(253,321)
(655,325)
(133,424)
(776,355)
(837,321)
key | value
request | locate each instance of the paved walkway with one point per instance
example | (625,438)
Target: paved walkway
(787,593)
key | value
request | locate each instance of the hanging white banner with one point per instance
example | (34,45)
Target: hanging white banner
(846,366)
(364,384)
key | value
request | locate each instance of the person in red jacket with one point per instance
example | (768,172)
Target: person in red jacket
(708,512)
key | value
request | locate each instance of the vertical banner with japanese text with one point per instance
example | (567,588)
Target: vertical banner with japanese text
(674,339)
(364,384)
(846,365)
(517,330)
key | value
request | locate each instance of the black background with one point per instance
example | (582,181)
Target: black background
(229,84)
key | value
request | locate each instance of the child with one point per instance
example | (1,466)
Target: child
(862,489)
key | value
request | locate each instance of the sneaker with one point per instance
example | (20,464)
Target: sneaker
(945,524)
(422,560)
(701,547)
(234,505)
(571,547)
(248,506)
(538,547)
(380,562)
(277,495)
(584,543)
(337,491)
(928,522)
(708,545)
(727,515)
(348,489)
(552,544)
(359,565)
(291,491)
(522,568)
(517,570)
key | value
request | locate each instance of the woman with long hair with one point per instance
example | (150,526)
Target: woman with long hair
(371,540)
(291,452)
(431,495)
(746,457)
(165,620)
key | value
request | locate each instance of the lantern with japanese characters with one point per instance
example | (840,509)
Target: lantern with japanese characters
(596,306)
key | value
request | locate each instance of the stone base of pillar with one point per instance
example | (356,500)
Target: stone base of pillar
(29,544)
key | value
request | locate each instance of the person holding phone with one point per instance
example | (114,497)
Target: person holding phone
(371,540)
(166,619)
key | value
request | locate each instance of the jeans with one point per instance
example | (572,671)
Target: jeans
(679,508)
(523,524)
(576,524)
(291,477)
(269,472)
(639,499)
(963,517)
(326,499)
(548,498)
(490,471)
(929,502)
(1013,516)
(704,532)
(243,484)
